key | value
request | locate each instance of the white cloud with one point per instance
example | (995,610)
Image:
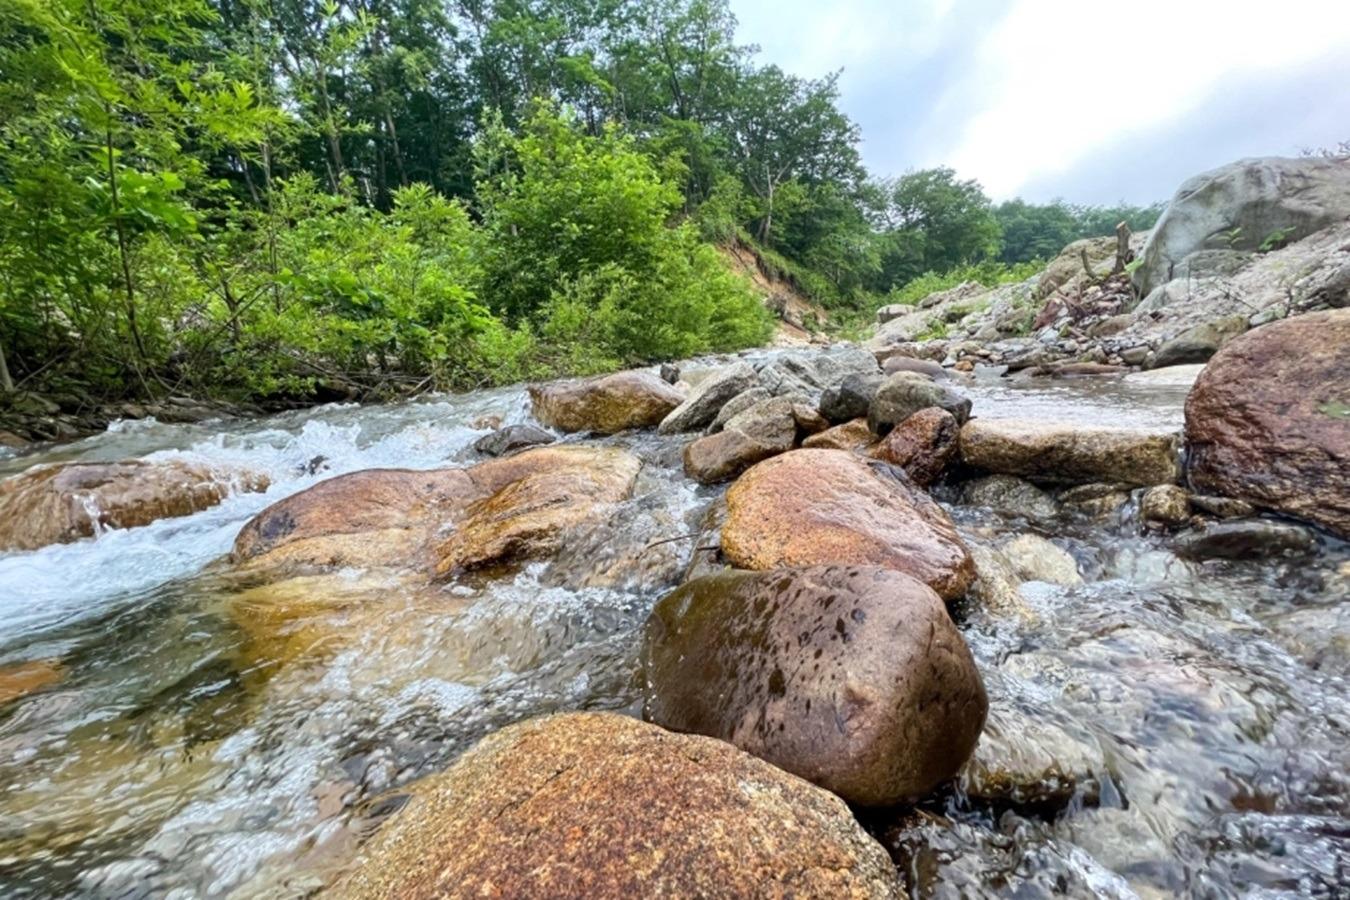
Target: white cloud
(1039,86)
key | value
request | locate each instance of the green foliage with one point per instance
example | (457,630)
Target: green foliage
(1040,231)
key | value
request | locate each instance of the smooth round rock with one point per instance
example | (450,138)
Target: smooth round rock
(815,507)
(605,807)
(923,445)
(854,678)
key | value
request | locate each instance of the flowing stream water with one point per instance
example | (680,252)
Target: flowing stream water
(186,751)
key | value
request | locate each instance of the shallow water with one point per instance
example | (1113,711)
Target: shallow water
(193,748)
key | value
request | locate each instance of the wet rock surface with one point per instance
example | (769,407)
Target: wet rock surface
(511,439)
(615,808)
(905,393)
(63,503)
(854,435)
(762,430)
(1268,421)
(605,405)
(1245,539)
(924,445)
(853,678)
(707,398)
(1064,453)
(811,507)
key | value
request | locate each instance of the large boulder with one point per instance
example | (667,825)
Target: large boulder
(923,445)
(853,678)
(1268,421)
(905,393)
(706,400)
(814,507)
(601,806)
(1068,453)
(1243,206)
(605,405)
(497,511)
(764,430)
(61,503)
(1066,270)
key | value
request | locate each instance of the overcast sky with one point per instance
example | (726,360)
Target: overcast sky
(1090,101)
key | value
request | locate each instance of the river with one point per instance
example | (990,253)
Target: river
(184,753)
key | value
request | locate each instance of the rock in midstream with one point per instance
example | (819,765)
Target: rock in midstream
(63,503)
(605,405)
(814,507)
(501,510)
(1068,453)
(602,806)
(706,400)
(905,393)
(854,435)
(763,430)
(923,445)
(853,678)
(1268,421)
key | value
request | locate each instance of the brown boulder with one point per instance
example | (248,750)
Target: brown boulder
(500,510)
(63,503)
(1268,421)
(609,404)
(923,444)
(854,435)
(1058,452)
(601,806)
(853,678)
(813,507)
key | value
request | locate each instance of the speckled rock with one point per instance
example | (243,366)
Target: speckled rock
(759,432)
(1165,504)
(605,807)
(56,504)
(1010,496)
(605,405)
(923,445)
(1268,421)
(853,678)
(1033,558)
(814,507)
(1070,453)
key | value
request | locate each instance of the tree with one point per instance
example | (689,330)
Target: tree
(934,222)
(782,128)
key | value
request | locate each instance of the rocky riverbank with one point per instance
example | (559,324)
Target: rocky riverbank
(884,639)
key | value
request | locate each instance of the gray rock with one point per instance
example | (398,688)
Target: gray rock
(510,439)
(1034,558)
(1211,264)
(852,397)
(809,374)
(923,366)
(706,400)
(766,429)
(905,393)
(1245,539)
(1165,504)
(1198,344)
(1242,206)
(738,404)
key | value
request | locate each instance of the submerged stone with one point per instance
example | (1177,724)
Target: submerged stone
(63,503)
(853,678)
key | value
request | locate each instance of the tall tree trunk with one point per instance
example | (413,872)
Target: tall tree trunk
(6,383)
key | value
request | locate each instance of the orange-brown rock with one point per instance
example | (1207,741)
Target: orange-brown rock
(605,807)
(853,435)
(854,678)
(923,444)
(814,507)
(62,503)
(441,520)
(606,405)
(1268,420)
(18,680)
(1069,453)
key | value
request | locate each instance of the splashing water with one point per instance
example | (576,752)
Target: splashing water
(196,745)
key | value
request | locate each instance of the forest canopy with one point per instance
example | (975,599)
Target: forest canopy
(279,197)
